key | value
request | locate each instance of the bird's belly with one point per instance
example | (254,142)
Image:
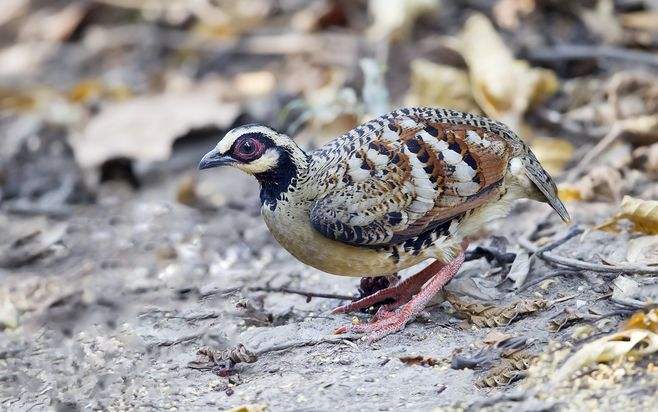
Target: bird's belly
(299,238)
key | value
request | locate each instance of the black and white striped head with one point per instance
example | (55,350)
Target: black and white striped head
(254,149)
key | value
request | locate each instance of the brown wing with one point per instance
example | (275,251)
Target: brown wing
(412,175)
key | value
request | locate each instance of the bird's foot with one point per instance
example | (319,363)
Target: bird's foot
(397,294)
(386,321)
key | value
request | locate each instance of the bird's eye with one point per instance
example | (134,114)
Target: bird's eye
(249,149)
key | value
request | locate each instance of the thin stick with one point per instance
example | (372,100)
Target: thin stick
(603,144)
(580,264)
(301,292)
(312,342)
(576,51)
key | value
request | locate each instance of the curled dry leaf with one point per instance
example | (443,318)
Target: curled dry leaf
(508,12)
(638,339)
(602,183)
(643,319)
(420,360)
(440,85)
(646,158)
(511,369)
(602,21)
(503,86)
(520,269)
(248,408)
(394,19)
(145,128)
(643,250)
(643,214)
(488,315)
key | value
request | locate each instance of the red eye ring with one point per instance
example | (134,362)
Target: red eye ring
(248,149)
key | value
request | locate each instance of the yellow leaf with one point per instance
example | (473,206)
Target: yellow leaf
(440,85)
(248,408)
(502,86)
(569,193)
(643,320)
(643,250)
(628,342)
(643,213)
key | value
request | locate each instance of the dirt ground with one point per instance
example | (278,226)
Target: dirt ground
(119,261)
(114,307)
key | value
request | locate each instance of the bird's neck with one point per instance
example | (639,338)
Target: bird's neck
(281,182)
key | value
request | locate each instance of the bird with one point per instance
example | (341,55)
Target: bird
(408,186)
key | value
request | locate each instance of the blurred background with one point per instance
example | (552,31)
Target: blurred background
(106,107)
(92,91)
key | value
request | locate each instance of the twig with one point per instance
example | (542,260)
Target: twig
(542,253)
(182,339)
(603,144)
(579,52)
(308,295)
(579,264)
(313,342)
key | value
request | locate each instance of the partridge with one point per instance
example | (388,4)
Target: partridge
(408,186)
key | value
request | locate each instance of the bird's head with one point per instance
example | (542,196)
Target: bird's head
(257,150)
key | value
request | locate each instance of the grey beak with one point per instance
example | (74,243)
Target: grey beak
(214,159)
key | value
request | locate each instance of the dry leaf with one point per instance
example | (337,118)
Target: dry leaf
(488,315)
(601,183)
(440,85)
(511,369)
(519,270)
(145,128)
(643,319)
(553,153)
(257,83)
(248,408)
(54,26)
(8,313)
(508,12)
(602,20)
(502,86)
(569,193)
(630,342)
(643,250)
(641,20)
(420,360)
(643,214)
(393,19)
(11,9)
(564,319)
(646,158)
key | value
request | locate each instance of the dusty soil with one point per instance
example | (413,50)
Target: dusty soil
(117,298)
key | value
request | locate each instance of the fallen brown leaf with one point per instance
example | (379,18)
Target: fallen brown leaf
(144,128)
(643,214)
(503,86)
(420,360)
(488,315)
(440,85)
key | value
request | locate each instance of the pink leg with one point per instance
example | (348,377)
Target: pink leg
(401,292)
(390,322)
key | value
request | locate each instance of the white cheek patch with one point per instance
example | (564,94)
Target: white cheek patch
(266,162)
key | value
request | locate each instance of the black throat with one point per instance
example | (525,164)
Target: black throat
(275,184)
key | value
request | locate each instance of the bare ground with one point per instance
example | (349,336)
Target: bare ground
(116,299)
